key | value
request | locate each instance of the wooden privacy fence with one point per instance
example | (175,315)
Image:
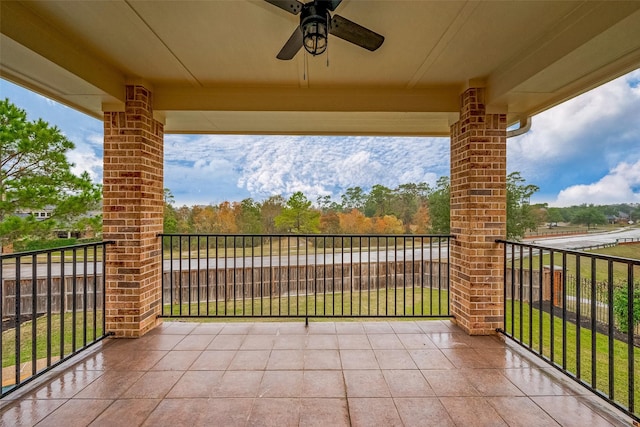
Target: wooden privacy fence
(48,294)
(199,285)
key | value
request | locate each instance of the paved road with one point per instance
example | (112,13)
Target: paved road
(586,240)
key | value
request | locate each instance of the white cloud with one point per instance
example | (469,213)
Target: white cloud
(85,159)
(621,185)
(265,165)
(602,125)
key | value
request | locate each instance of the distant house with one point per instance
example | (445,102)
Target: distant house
(40,215)
(620,218)
(63,231)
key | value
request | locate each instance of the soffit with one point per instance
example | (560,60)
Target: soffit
(212,66)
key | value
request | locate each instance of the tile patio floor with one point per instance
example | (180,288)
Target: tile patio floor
(419,373)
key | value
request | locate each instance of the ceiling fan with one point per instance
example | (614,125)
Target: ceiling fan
(316,23)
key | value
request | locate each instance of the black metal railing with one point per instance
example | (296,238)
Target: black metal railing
(580,312)
(52,307)
(305,276)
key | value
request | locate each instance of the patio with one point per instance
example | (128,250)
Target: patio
(331,374)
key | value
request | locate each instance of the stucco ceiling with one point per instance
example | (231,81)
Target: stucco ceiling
(212,65)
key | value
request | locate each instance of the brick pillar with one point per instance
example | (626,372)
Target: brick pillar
(478,215)
(132,214)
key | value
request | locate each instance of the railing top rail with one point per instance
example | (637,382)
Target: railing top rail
(573,252)
(58,249)
(415,236)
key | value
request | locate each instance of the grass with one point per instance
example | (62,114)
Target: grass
(574,351)
(386,302)
(42,332)
(619,269)
(544,229)
(298,246)
(630,250)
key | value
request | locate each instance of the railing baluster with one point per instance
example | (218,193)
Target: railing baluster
(84,296)
(63,298)
(541,312)
(630,328)
(552,280)
(180,275)
(520,290)
(3,297)
(207,280)
(94,317)
(578,317)
(531,302)
(34,313)
(18,315)
(564,310)
(199,300)
(74,297)
(610,304)
(594,384)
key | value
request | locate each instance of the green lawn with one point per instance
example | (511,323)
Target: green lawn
(578,362)
(27,344)
(298,246)
(602,266)
(386,302)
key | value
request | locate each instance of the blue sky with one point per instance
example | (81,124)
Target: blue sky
(586,150)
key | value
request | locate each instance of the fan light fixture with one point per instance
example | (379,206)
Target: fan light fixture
(316,23)
(314,30)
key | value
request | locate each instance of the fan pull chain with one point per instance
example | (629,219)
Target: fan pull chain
(306,66)
(328,29)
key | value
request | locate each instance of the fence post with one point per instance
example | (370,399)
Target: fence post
(557,285)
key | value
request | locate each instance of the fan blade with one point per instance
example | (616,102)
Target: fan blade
(354,33)
(292,46)
(292,6)
(333,4)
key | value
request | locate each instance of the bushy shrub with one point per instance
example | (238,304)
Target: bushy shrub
(621,307)
(37,245)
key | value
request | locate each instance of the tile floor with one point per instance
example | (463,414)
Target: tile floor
(418,373)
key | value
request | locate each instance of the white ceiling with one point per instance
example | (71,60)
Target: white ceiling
(212,65)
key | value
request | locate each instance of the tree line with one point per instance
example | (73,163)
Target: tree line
(588,215)
(410,208)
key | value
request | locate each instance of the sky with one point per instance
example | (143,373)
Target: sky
(586,150)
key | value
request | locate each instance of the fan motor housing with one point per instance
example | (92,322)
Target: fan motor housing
(314,23)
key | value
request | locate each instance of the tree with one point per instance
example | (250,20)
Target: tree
(354,198)
(387,224)
(297,216)
(421,219)
(248,216)
(35,174)
(554,216)
(439,202)
(589,215)
(169,218)
(520,215)
(354,222)
(379,201)
(269,210)
(205,219)
(408,198)
(225,219)
(330,223)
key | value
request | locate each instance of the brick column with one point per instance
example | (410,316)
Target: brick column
(478,215)
(132,214)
